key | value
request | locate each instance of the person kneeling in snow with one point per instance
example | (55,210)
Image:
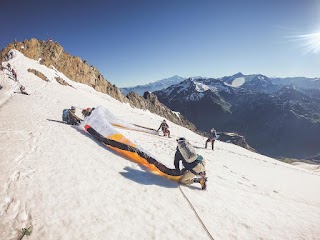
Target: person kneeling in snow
(23,90)
(194,164)
(69,116)
(165,128)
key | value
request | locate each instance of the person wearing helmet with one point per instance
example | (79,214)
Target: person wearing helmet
(165,128)
(194,164)
(212,138)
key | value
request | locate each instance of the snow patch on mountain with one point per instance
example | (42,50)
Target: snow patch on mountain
(201,87)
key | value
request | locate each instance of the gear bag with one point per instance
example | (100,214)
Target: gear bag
(65,115)
(187,151)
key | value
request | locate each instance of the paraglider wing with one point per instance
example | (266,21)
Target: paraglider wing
(97,125)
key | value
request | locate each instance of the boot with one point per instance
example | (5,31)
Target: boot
(202,182)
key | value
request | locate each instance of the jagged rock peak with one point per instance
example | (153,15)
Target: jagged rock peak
(51,53)
(150,102)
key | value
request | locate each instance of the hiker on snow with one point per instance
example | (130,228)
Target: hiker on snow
(212,138)
(14,74)
(23,90)
(165,128)
(9,67)
(69,116)
(194,164)
(87,112)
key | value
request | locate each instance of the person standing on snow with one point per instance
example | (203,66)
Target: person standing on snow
(14,74)
(212,138)
(165,128)
(194,164)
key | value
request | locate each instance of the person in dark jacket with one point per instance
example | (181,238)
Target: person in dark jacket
(165,128)
(211,138)
(73,118)
(191,169)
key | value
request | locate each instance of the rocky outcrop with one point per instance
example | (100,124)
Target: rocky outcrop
(235,139)
(38,74)
(62,82)
(52,53)
(150,102)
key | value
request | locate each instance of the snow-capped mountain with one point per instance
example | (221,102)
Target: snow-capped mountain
(60,183)
(255,82)
(150,87)
(298,82)
(269,122)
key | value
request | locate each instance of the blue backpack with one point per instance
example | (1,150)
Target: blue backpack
(65,115)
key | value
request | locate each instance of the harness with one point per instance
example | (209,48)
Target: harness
(198,160)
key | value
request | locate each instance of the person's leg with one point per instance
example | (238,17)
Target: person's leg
(201,168)
(208,140)
(212,144)
(187,178)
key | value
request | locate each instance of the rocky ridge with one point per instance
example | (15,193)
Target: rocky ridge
(52,54)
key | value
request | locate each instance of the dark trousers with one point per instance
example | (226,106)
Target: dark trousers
(212,142)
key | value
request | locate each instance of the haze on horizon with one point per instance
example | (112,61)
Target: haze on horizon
(137,42)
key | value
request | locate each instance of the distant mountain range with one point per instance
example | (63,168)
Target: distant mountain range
(279,117)
(257,82)
(151,87)
(276,119)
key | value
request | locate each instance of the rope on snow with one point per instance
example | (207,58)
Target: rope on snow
(194,210)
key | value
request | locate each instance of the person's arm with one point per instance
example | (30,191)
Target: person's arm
(75,116)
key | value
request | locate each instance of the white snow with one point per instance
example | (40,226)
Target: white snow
(195,96)
(177,114)
(312,167)
(66,185)
(200,87)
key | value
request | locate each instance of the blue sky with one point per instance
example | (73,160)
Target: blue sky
(136,42)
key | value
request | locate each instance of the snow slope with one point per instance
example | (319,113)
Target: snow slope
(66,185)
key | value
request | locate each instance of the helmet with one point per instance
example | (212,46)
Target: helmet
(164,121)
(212,130)
(181,139)
(73,108)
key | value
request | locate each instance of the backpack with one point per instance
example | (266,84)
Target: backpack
(187,151)
(65,115)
